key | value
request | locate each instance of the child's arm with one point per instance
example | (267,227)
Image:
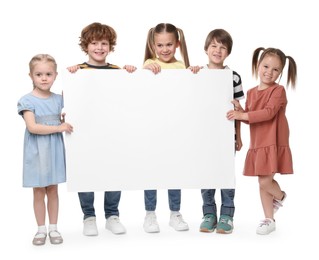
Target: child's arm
(73,69)
(129,68)
(276,101)
(238,107)
(239,143)
(238,113)
(39,129)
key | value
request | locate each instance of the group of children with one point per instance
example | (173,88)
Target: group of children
(269,152)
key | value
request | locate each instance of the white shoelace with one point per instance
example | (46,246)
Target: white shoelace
(179,218)
(151,219)
(265,222)
(115,219)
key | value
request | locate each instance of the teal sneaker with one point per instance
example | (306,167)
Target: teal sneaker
(225,225)
(209,223)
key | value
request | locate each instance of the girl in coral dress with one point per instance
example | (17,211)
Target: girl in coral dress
(269,152)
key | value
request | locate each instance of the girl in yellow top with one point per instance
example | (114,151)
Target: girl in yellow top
(162,42)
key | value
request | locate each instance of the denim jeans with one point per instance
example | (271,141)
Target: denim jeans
(227,199)
(174,200)
(111,203)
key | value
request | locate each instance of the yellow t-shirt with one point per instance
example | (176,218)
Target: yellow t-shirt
(174,65)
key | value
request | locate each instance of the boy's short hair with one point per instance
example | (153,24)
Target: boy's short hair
(221,36)
(97,32)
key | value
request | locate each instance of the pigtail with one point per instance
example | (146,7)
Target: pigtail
(292,72)
(149,48)
(183,47)
(255,62)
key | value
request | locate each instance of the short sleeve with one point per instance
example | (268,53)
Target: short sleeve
(59,99)
(238,88)
(148,61)
(25,104)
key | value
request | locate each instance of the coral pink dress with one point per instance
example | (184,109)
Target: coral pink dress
(269,150)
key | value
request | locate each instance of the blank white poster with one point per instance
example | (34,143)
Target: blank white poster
(136,131)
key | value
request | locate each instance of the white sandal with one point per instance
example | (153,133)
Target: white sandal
(55,240)
(39,241)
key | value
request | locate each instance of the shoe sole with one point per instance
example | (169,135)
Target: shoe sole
(151,231)
(206,230)
(90,234)
(222,231)
(266,233)
(38,244)
(180,229)
(115,232)
(55,241)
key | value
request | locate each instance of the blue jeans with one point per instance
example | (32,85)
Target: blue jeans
(111,203)
(227,198)
(174,200)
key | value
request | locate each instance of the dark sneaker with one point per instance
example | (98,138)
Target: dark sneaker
(225,225)
(209,223)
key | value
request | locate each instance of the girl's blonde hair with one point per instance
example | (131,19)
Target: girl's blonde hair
(168,28)
(42,58)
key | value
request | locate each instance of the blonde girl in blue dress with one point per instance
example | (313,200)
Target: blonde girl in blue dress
(44,152)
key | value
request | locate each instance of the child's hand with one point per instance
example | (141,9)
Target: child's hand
(237,106)
(129,68)
(195,69)
(237,113)
(66,127)
(156,68)
(73,69)
(234,115)
(238,144)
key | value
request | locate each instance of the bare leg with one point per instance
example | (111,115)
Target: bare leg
(39,205)
(53,203)
(269,189)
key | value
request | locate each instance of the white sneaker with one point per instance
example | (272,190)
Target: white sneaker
(177,222)
(150,223)
(89,227)
(266,226)
(114,225)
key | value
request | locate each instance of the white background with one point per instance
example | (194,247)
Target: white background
(34,26)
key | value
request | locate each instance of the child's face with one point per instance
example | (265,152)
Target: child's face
(43,75)
(217,53)
(165,45)
(97,52)
(269,69)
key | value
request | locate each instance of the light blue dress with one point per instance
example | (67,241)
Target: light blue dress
(43,155)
